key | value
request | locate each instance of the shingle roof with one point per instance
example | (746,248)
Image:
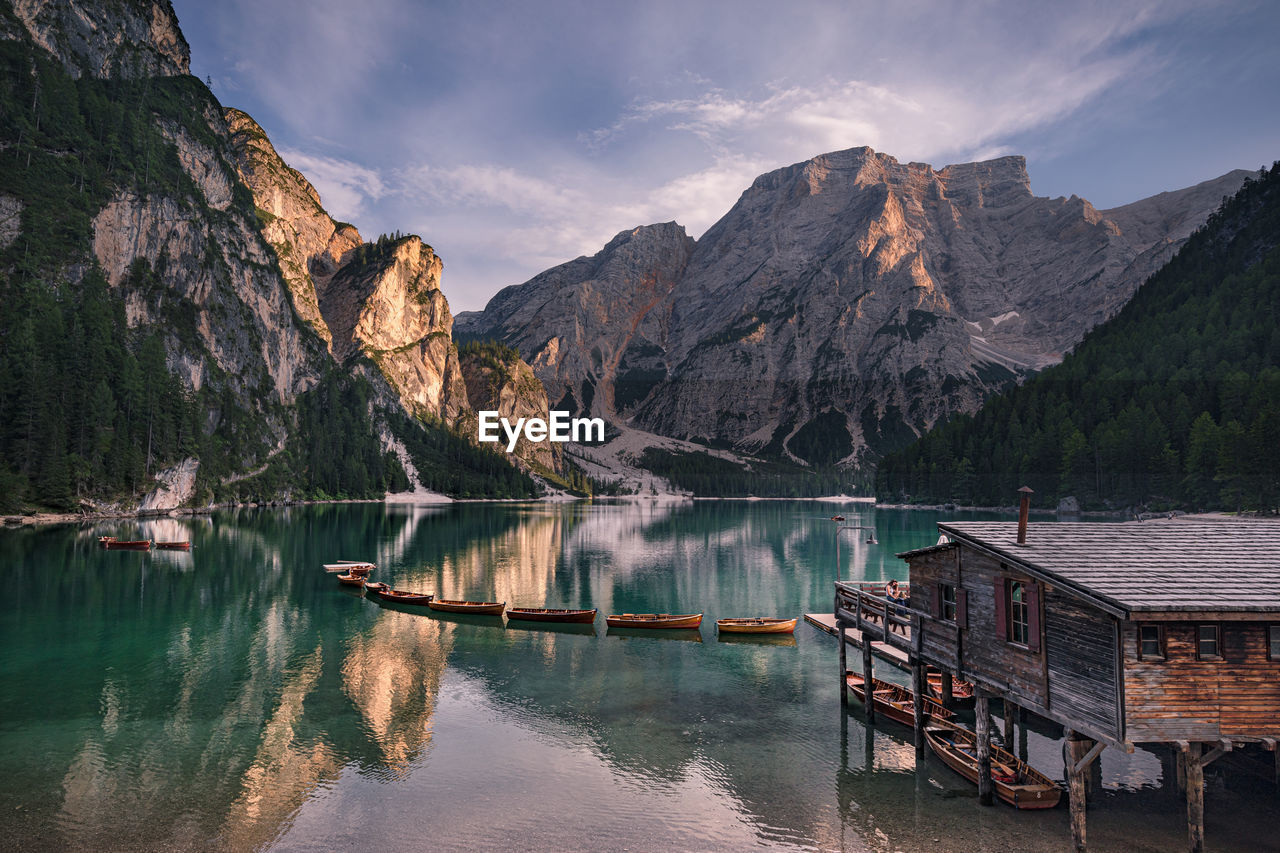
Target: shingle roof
(1208,563)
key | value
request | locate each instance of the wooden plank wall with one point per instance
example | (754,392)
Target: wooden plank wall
(1018,671)
(939,639)
(1080,644)
(1182,698)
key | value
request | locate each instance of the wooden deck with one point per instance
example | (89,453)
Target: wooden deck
(827,622)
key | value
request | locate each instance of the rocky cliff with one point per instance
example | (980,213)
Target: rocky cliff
(250,322)
(594,329)
(498,380)
(844,304)
(122,40)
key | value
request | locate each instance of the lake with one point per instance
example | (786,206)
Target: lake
(235,697)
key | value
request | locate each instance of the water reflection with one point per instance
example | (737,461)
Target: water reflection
(235,696)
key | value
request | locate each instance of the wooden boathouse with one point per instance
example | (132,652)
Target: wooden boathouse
(1155,632)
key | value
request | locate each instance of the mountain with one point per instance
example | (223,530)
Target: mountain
(179,316)
(1173,403)
(843,305)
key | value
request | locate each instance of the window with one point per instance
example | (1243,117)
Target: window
(1273,642)
(1207,641)
(947,598)
(1018,626)
(1150,642)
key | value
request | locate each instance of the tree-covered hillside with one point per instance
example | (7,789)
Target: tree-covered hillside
(1175,402)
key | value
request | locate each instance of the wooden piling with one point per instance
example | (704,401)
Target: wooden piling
(868,690)
(1193,772)
(844,668)
(947,689)
(1075,749)
(1010,714)
(982,707)
(918,686)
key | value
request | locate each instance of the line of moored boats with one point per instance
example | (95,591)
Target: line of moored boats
(111,543)
(355,573)
(1015,781)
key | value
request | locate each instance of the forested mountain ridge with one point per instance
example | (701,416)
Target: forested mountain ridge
(1175,402)
(155,320)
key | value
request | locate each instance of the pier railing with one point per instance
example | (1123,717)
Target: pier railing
(868,608)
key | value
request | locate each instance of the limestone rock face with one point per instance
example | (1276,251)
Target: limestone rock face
(122,40)
(389,306)
(309,244)
(382,300)
(846,303)
(594,329)
(504,383)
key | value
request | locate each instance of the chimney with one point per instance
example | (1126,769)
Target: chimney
(1023,509)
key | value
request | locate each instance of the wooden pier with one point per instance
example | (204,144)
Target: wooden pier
(1122,634)
(890,654)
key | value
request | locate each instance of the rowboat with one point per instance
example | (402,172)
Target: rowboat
(351,580)
(896,702)
(111,543)
(961,691)
(375,586)
(346,566)
(173,546)
(399,596)
(1016,782)
(478,608)
(653,620)
(757,625)
(550,614)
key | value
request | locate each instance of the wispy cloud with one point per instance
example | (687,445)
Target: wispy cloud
(346,188)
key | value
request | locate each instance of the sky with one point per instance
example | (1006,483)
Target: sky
(514,136)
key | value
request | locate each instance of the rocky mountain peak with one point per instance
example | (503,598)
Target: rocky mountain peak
(593,327)
(135,38)
(842,304)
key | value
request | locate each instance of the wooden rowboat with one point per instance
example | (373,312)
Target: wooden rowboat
(113,544)
(757,625)
(894,701)
(346,566)
(375,586)
(351,580)
(399,596)
(478,608)
(173,546)
(961,691)
(1016,782)
(653,620)
(550,614)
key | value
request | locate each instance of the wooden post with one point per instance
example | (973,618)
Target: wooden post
(844,668)
(1010,714)
(1193,772)
(1180,779)
(1076,747)
(986,790)
(868,691)
(947,689)
(918,684)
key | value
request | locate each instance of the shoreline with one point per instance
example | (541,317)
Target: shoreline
(15,521)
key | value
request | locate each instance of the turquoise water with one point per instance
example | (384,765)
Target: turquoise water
(235,697)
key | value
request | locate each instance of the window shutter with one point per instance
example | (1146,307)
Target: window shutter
(962,608)
(1033,617)
(935,601)
(1002,609)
